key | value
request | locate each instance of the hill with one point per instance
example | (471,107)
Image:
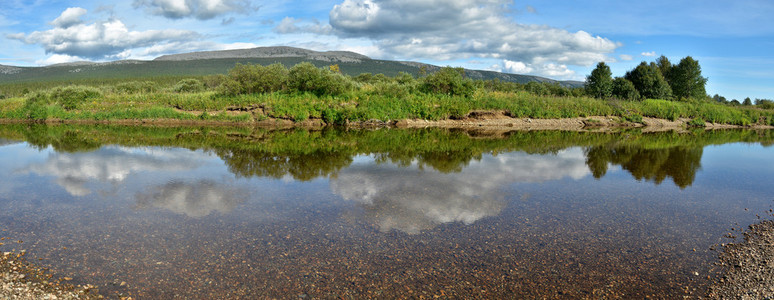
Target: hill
(219,62)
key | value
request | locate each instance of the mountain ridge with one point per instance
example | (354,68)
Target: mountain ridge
(219,62)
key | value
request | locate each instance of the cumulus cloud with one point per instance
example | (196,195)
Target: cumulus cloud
(103,39)
(74,171)
(71,16)
(194,199)
(649,54)
(444,30)
(199,9)
(412,200)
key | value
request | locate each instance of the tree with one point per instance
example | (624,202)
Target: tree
(624,89)
(687,81)
(747,101)
(665,66)
(600,83)
(649,82)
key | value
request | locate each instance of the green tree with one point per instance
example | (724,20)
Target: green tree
(649,82)
(600,83)
(624,89)
(450,81)
(747,101)
(687,81)
(665,66)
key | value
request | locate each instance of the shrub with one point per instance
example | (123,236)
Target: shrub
(633,117)
(305,77)
(255,79)
(449,81)
(697,122)
(36,107)
(537,88)
(72,96)
(189,85)
(133,87)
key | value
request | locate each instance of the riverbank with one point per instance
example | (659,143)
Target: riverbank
(20,279)
(493,120)
(747,266)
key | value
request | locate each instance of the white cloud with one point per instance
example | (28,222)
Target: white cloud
(293,25)
(199,9)
(439,30)
(71,16)
(195,199)
(552,70)
(99,40)
(74,171)
(516,67)
(626,57)
(649,54)
(57,59)
(412,199)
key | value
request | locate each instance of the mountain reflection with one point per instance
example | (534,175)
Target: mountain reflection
(109,164)
(195,199)
(411,199)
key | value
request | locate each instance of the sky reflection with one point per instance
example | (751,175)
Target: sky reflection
(413,199)
(73,171)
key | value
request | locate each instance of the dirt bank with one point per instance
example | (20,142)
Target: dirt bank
(491,120)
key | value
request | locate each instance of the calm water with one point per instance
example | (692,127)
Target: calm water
(246,213)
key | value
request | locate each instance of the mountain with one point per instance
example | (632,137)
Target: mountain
(219,62)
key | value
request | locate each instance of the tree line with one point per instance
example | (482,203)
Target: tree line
(658,80)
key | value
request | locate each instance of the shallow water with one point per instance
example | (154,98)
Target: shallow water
(249,213)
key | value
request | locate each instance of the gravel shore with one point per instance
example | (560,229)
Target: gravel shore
(747,267)
(19,279)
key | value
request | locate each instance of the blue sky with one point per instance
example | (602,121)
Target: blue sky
(732,40)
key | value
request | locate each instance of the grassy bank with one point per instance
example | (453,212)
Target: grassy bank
(255,93)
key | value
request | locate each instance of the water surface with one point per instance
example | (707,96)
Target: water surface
(252,213)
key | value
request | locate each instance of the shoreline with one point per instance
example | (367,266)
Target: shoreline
(479,120)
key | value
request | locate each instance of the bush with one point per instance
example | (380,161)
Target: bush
(697,122)
(36,107)
(633,117)
(537,88)
(72,96)
(305,77)
(133,87)
(255,79)
(449,81)
(189,86)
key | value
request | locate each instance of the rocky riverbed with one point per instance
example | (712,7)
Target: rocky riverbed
(19,279)
(747,266)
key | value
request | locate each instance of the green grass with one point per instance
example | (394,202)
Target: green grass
(200,98)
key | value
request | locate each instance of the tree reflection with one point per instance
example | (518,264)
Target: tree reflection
(679,163)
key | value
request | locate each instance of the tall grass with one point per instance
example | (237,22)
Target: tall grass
(305,92)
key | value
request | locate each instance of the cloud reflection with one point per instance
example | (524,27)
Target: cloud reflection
(195,199)
(412,200)
(73,171)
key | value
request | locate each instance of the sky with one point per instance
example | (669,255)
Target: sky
(563,39)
